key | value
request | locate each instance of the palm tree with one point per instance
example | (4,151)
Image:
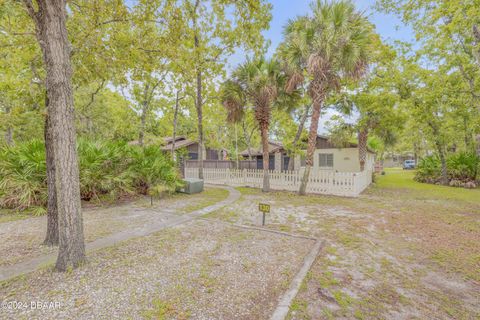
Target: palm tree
(329,46)
(259,83)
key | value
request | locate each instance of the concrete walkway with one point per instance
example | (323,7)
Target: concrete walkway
(165,220)
(283,307)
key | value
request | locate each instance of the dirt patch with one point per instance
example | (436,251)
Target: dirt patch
(200,270)
(386,257)
(22,239)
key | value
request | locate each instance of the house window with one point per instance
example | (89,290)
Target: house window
(325,160)
(193,156)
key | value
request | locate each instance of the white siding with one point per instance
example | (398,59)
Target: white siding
(344,160)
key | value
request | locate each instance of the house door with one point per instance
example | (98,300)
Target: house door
(271,162)
(260,163)
(193,156)
(286,160)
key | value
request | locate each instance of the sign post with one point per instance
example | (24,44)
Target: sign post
(264,208)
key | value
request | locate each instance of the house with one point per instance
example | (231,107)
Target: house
(329,157)
(326,157)
(278,158)
(392,160)
(191,146)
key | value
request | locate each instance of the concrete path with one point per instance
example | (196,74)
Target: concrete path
(165,220)
(285,301)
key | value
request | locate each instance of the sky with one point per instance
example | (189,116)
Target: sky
(388,26)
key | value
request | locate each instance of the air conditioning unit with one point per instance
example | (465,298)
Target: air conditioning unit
(192,186)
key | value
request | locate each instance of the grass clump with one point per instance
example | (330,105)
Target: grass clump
(163,310)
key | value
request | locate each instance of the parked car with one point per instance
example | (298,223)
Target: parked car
(408,164)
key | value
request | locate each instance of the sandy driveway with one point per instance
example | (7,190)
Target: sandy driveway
(390,254)
(21,240)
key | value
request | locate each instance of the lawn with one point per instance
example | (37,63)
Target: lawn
(398,179)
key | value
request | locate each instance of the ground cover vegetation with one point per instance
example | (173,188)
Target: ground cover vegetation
(141,71)
(107,170)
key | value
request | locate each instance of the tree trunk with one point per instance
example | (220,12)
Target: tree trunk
(478,145)
(9,136)
(444,165)
(143,116)
(441,154)
(362,147)
(441,151)
(248,139)
(312,141)
(266,159)
(415,153)
(466,135)
(303,119)
(175,117)
(199,99)
(51,239)
(198,105)
(9,132)
(51,31)
(236,148)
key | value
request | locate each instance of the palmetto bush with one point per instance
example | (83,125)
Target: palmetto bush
(22,176)
(429,170)
(461,166)
(104,169)
(150,167)
(109,169)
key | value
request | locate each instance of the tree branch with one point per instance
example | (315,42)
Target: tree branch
(93,94)
(31,10)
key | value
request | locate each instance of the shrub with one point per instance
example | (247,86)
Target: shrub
(104,169)
(151,167)
(429,170)
(108,169)
(22,176)
(462,167)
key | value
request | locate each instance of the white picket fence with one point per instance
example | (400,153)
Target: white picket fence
(349,184)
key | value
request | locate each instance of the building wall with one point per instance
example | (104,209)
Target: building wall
(344,160)
(278,161)
(208,154)
(370,164)
(396,160)
(297,162)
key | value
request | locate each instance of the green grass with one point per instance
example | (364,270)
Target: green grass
(401,179)
(163,310)
(209,197)
(249,191)
(224,214)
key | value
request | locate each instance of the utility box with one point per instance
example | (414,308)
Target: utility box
(193,185)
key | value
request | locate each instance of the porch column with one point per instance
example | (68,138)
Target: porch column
(278,161)
(297,161)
